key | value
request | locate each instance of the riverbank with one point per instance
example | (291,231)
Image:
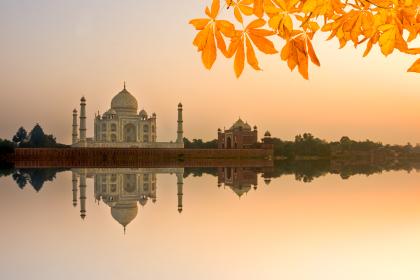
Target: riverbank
(136,157)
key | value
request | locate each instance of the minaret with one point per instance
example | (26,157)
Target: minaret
(179,183)
(179,138)
(82,128)
(82,194)
(74,189)
(74,133)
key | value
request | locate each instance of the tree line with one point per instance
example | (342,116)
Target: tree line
(307,145)
(36,138)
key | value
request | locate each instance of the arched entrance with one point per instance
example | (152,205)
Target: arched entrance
(130,133)
(228,173)
(130,183)
(228,143)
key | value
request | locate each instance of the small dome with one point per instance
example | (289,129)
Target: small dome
(110,112)
(255,127)
(124,102)
(143,200)
(179,104)
(240,190)
(143,114)
(124,213)
(239,124)
(82,99)
(74,111)
(267,134)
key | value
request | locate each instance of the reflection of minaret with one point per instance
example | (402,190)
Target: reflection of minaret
(179,183)
(83,194)
(74,181)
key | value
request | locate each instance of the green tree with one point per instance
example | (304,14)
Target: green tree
(20,135)
(37,138)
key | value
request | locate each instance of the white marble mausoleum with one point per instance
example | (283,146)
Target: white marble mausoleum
(122,126)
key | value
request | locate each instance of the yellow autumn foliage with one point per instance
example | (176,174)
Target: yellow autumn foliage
(390,24)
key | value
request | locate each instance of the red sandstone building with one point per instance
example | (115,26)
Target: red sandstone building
(238,136)
(241,136)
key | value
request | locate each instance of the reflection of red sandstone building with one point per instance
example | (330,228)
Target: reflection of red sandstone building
(240,179)
(241,136)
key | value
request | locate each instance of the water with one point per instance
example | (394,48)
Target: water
(287,222)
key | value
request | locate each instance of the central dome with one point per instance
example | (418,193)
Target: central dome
(124,213)
(124,102)
(240,124)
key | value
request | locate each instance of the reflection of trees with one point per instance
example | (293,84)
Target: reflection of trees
(6,169)
(348,169)
(36,177)
(304,171)
(308,170)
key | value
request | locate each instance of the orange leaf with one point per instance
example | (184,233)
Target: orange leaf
(221,45)
(215,7)
(226,27)
(239,59)
(285,52)
(312,54)
(415,67)
(237,14)
(200,40)
(258,8)
(368,47)
(199,23)
(234,43)
(250,55)
(303,64)
(256,24)
(263,44)
(208,55)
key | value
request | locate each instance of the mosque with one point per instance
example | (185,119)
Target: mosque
(123,126)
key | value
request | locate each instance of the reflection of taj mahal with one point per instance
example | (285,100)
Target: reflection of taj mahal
(123,189)
(123,126)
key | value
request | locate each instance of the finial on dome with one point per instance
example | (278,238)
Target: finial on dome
(124,230)
(124,85)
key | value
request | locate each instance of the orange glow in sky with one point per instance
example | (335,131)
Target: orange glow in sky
(53,52)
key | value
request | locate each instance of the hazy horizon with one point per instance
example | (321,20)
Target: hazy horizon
(54,52)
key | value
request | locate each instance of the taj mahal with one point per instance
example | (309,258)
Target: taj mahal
(122,126)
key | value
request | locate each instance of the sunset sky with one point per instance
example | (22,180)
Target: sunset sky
(53,52)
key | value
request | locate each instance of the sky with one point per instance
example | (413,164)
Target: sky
(54,52)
